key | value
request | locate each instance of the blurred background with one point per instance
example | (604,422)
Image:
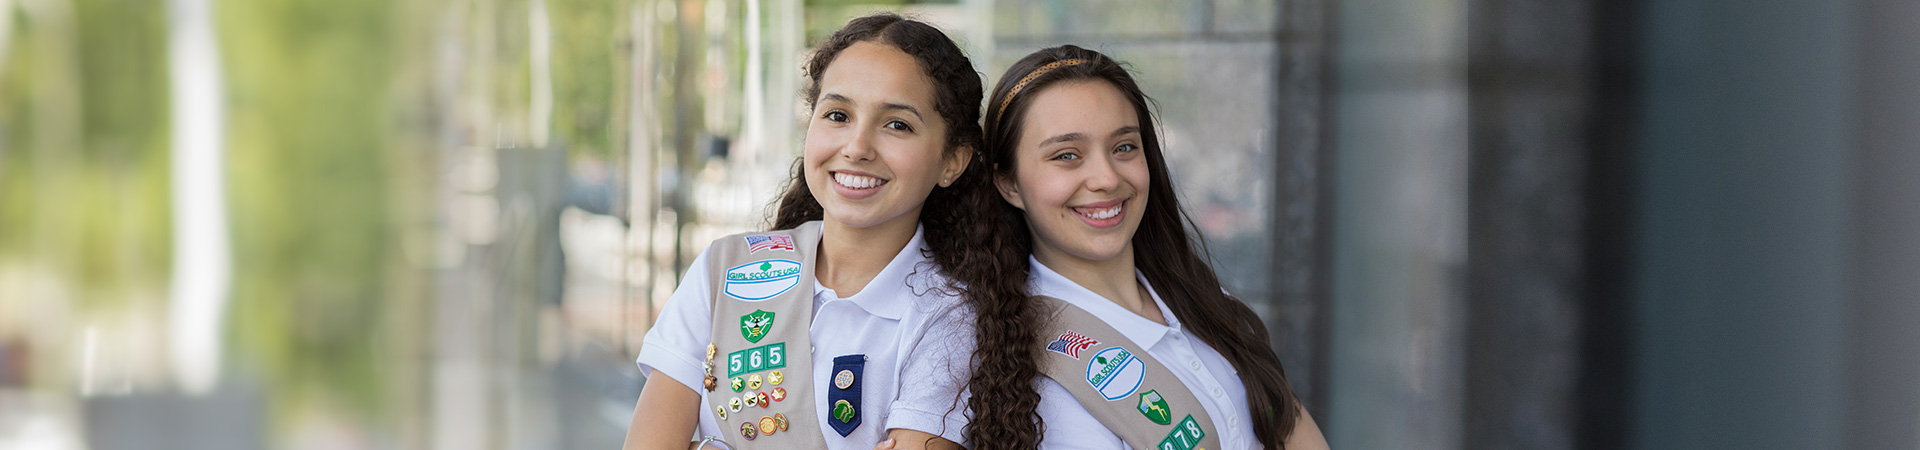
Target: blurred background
(447,224)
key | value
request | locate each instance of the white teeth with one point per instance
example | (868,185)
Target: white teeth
(856,181)
(1103,214)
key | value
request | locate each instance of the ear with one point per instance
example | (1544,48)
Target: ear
(1009,191)
(956,162)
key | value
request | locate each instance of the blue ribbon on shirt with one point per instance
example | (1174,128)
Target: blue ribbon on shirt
(844,424)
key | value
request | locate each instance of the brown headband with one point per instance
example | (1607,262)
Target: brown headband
(1002,112)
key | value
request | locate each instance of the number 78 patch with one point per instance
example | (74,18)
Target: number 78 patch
(1185,435)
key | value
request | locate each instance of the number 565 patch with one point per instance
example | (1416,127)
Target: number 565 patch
(765,357)
(1185,435)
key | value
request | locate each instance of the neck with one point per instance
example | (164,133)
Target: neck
(1111,278)
(850,257)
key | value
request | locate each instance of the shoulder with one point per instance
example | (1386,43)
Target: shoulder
(932,291)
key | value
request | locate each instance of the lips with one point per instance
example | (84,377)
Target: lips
(1102,214)
(855,185)
(857,182)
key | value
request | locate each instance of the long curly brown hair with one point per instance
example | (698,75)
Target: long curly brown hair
(972,253)
(1166,251)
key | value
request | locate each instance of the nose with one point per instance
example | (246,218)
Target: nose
(858,147)
(1102,174)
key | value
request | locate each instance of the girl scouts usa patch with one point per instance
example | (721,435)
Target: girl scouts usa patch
(1116,373)
(761,280)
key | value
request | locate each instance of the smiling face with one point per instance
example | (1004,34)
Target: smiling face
(875,145)
(1080,172)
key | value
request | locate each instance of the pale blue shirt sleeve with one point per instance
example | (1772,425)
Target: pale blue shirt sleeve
(935,366)
(677,343)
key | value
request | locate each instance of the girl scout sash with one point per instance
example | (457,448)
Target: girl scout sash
(1126,390)
(759,366)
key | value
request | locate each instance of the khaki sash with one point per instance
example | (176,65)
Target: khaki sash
(1127,390)
(762,298)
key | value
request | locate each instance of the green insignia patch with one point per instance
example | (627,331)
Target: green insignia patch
(843,411)
(756,325)
(1155,408)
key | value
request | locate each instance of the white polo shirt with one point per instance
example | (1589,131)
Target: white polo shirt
(904,321)
(1207,374)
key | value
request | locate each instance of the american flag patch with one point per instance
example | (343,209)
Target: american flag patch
(758,242)
(1071,343)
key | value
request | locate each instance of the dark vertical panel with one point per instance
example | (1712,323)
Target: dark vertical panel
(1606,350)
(1742,262)
(1528,75)
(1302,186)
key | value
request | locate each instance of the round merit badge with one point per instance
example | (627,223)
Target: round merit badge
(747,431)
(753,382)
(720,411)
(844,379)
(739,383)
(767,426)
(734,404)
(780,421)
(775,378)
(761,398)
(779,394)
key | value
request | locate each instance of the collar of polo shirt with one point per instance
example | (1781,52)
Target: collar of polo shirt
(1144,332)
(888,295)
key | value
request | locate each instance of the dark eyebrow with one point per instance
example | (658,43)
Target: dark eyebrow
(831,97)
(907,108)
(1123,131)
(1069,137)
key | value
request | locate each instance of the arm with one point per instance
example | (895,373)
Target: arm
(902,439)
(1306,435)
(660,420)
(668,412)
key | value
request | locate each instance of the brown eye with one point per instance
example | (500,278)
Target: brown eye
(835,116)
(899,126)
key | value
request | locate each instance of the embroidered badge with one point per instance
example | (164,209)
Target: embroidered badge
(1071,343)
(756,325)
(770,356)
(761,280)
(1115,372)
(759,242)
(1184,436)
(1155,408)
